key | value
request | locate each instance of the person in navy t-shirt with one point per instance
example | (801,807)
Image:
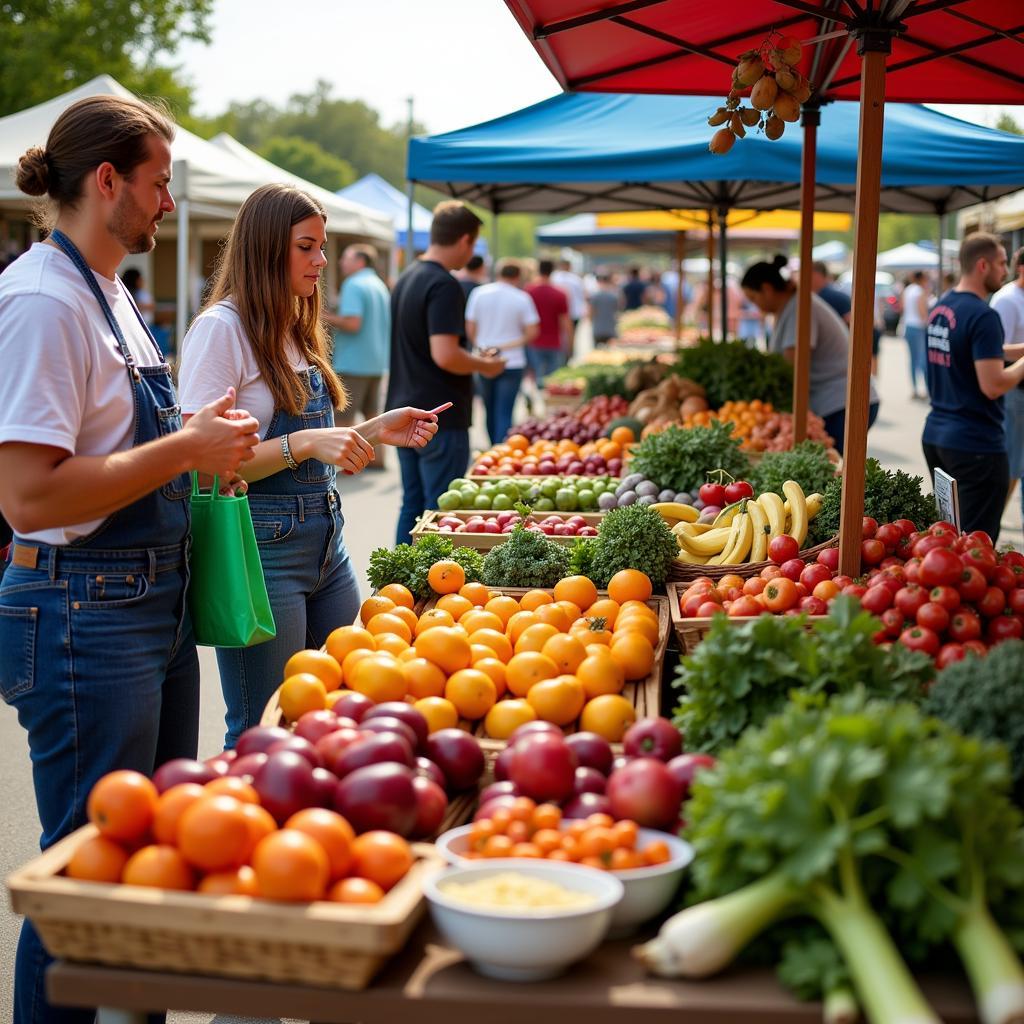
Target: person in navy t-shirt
(964,433)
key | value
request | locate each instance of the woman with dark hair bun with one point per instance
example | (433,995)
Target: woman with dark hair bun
(774,294)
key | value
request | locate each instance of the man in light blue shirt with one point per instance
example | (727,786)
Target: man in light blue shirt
(362,336)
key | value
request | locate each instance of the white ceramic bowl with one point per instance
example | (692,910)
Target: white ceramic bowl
(530,944)
(648,891)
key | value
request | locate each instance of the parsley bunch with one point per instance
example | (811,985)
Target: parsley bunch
(409,564)
(681,459)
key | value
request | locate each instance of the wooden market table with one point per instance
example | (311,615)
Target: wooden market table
(430,981)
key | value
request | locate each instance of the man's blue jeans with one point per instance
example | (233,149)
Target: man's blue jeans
(544,361)
(917,342)
(499,396)
(426,474)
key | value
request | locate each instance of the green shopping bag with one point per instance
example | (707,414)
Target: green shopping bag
(227,594)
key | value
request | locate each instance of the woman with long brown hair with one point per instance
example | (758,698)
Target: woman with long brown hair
(261,333)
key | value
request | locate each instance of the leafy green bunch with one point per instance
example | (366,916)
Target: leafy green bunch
(742,674)
(730,371)
(526,559)
(807,464)
(681,458)
(409,564)
(631,537)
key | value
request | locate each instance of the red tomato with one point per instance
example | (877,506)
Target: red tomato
(940,567)
(814,574)
(857,590)
(1004,627)
(754,586)
(891,583)
(948,597)
(712,494)
(948,653)
(983,559)
(770,572)
(744,607)
(942,528)
(910,598)
(869,527)
(872,551)
(842,581)
(792,568)
(813,606)
(904,549)
(976,647)
(877,599)
(992,602)
(920,638)
(829,558)
(782,549)
(891,562)
(930,541)
(780,595)
(890,535)
(912,570)
(964,626)
(979,538)
(906,527)
(1016,601)
(1012,558)
(895,571)
(707,609)
(738,490)
(692,603)
(972,585)
(933,616)
(1004,578)
(892,620)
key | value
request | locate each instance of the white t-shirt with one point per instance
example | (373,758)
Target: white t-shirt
(911,299)
(572,285)
(502,312)
(1008,302)
(63,380)
(215,355)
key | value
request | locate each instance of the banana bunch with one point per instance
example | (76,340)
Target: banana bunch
(674,512)
(742,531)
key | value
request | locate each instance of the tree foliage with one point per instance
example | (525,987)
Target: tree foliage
(308,160)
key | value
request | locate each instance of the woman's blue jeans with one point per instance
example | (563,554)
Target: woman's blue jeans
(499,395)
(917,342)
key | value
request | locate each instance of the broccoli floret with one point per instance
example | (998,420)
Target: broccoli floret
(526,559)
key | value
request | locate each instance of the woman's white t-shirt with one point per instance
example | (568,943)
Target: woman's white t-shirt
(502,312)
(63,380)
(215,355)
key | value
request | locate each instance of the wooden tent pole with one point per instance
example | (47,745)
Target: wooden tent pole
(723,256)
(680,253)
(802,356)
(711,272)
(865,252)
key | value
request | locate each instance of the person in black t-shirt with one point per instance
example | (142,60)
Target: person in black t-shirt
(429,363)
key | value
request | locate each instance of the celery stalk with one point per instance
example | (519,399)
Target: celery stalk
(992,965)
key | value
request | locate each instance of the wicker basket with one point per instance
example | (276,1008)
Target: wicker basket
(427,525)
(327,944)
(680,573)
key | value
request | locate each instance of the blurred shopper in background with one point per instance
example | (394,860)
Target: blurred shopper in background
(915,322)
(552,347)
(604,304)
(1008,303)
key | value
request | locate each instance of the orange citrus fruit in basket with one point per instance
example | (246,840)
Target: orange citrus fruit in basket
(159,867)
(300,693)
(565,651)
(519,622)
(455,604)
(604,608)
(355,890)
(609,715)
(387,622)
(472,692)
(240,882)
(533,599)
(439,713)
(401,595)
(352,659)
(345,639)
(171,805)
(122,804)
(331,831)
(629,584)
(213,834)
(445,647)
(231,785)
(641,608)
(375,605)
(571,609)
(477,593)
(623,435)
(634,654)
(290,865)
(391,644)
(259,822)
(379,677)
(534,637)
(317,663)
(433,617)
(408,616)
(478,618)
(554,615)
(578,589)
(382,857)
(559,700)
(599,674)
(422,678)
(635,624)
(589,631)
(446,577)
(477,652)
(98,860)
(526,669)
(496,670)
(504,607)
(506,716)
(498,643)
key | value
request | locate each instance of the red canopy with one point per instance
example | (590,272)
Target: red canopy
(690,46)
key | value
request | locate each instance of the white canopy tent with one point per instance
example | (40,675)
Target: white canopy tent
(210,183)
(912,256)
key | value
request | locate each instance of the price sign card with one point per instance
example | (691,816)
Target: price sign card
(946,498)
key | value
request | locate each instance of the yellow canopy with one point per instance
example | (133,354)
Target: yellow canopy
(695,220)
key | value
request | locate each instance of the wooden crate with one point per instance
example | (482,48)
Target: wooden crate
(561,403)
(485,541)
(690,632)
(326,944)
(680,572)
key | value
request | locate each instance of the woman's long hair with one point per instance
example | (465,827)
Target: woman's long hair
(253,272)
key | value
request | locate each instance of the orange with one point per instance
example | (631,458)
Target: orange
(600,673)
(506,716)
(589,631)
(526,669)
(439,713)
(379,677)
(565,651)
(503,606)
(290,865)
(122,804)
(533,599)
(381,857)
(638,608)
(170,807)
(355,890)
(409,654)
(477,593)
(534,637)
(213,834)
(401,595)
(331,831)
(231,785)
(456,604)
(578,589)
(476,619)
(518,442)
(498,643)
(346,639)
(609,715)
(388,622)
(636,624)
(98,860)
(554,615)
(634,654)
(240,882)
(623,435)
(558,700)
(407,615)
(571,609)
(604,608)
(375,605)
(422,678)
(259,822)
(317,663)
(445,647)
(496,670)
(472,692)
(352,659)
(519,622)
(300,693)
(390,643)
(629,584)
(477,652)
(433,617)
(159,867)
(446,577)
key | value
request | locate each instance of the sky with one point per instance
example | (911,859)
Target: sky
(463,61)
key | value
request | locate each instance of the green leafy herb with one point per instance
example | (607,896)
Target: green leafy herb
(631,537)
(409,564)
(808,464)
(730,371)
(526,559)
(681,459)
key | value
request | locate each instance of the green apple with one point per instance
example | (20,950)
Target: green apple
(550,487)
(566,500)
(587,499)
(482,501)
(449,501)
(461,484)
(501,502)
(544,505)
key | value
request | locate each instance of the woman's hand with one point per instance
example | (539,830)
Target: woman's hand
(343,447)
(405,427)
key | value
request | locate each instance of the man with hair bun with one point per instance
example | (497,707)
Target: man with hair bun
(96,648)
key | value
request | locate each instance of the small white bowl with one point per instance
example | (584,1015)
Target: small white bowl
(648,891)
(529,944)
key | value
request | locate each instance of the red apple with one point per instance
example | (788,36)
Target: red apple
(653,737)
(458,755)
(647,792)
(314,724)
(544,767)
(259,738)
(378,796)
(431,804)
(285,785)
(182,769)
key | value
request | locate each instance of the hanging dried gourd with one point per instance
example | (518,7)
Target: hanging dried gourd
(777,90)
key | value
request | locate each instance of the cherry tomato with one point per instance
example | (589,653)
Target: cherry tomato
(920,638)
(712,494)
(738,490)
(709,608)
(972,585)
(893,621)
(754,586)
(877,599)
(979,538)
(940,567)
(1015,599)
(948,597)
(992,602)
(932,616)
(942,528)
(868,527)
(931,541)
(976,647)
(910,598)
(782,549)
(948,653)
(842,581)
(857,590)
(1012,558)
(983,559)
(911,570)
(964,626)
(744,607)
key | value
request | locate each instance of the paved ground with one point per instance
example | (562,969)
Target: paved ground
(371,508)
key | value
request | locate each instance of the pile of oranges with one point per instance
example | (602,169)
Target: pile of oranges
(517,451)
(479,655)
(527,829)
(217,839)
(745,417)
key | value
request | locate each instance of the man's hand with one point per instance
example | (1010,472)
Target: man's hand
(490,366)
(221,437)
